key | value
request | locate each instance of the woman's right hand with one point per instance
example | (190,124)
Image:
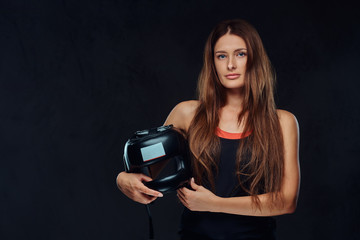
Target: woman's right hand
(131,184)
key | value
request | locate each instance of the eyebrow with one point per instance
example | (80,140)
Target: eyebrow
(221,51)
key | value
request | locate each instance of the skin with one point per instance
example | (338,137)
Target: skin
(228,59)
(131,184)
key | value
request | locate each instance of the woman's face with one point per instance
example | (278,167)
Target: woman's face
(230,57)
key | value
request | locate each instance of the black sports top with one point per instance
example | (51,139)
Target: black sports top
(209,225)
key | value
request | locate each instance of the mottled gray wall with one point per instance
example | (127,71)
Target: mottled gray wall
(78,77)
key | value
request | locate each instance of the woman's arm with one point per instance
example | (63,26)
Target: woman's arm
(203,200)
(182,114)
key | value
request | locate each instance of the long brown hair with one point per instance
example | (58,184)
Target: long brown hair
(264,171)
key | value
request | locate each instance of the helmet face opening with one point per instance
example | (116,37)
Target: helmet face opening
(163,168)
(160,153)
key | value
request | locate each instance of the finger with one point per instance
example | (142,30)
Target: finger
(180,193)
(143,177)
(144,198)
(183,201)
(186,191)
(179,190)
(149,198)
(193,184)
(148,191)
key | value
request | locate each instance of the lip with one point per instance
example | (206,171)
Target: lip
(232,76)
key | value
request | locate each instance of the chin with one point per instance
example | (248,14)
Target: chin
(233,85)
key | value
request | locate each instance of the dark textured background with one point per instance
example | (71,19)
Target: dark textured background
(78,77)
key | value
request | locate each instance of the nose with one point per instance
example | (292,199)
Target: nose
(232,63)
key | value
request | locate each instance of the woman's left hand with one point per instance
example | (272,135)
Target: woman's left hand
(199,199)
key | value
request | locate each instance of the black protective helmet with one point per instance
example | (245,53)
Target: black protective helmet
(162,153)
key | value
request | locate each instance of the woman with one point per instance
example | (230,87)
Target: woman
(245,151)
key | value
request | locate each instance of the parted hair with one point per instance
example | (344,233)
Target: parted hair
(264,170)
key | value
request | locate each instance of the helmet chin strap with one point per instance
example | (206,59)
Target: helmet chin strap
(151,226)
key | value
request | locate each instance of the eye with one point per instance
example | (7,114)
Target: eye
(221,56)
(241,54)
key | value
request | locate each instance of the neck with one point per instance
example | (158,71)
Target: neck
(234,98)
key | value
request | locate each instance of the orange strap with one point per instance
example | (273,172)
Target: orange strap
(228,135)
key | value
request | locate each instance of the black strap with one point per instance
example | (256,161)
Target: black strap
(151,227)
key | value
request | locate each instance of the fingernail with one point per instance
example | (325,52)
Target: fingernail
(192,179)
(160,195)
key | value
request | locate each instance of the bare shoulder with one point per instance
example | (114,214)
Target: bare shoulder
(182,114)
(288,122)
(187,107)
